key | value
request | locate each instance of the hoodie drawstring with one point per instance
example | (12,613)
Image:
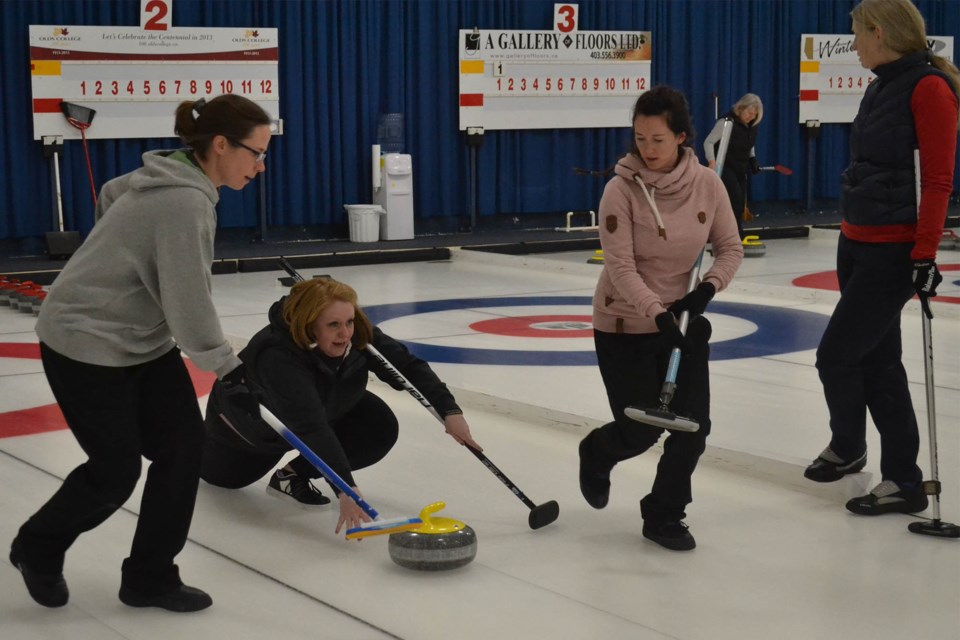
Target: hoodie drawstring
(661,230)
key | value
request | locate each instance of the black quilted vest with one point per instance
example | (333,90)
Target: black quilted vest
(878,186)
(742,139)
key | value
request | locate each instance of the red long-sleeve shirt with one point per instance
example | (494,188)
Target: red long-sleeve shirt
(934,108)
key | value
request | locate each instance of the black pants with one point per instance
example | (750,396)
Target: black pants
(117,415)
(367,433)
(736,184)
(633,368)
(859,357)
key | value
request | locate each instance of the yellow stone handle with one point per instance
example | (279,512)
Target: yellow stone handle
(438,525)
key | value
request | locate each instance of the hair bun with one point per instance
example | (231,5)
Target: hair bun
(199,105)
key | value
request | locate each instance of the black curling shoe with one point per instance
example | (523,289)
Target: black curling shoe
(594,478)
(829,467)
(183,599)
(889,497)
(675,536)
(50,590)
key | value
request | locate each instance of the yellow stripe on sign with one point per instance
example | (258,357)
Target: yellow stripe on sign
(471,66)
(809,66)
(45,68)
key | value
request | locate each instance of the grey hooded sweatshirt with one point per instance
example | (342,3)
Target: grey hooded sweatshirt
(141,282)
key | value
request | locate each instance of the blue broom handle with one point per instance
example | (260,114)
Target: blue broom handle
(316,461)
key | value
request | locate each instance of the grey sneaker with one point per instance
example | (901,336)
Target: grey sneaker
(290,486)
(889,497)
(829,467)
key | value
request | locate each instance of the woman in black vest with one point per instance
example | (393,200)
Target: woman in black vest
(741,157)
(887,250)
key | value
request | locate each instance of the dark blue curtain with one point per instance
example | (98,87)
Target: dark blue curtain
(343,63)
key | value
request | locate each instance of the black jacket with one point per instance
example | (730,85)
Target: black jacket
(309,392)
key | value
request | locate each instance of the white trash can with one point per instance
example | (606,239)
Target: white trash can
(364,221)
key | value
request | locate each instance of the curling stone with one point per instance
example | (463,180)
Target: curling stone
(949,240)
(596,258)
(753,247)
(440,544)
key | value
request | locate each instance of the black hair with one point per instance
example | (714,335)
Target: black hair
(666,101)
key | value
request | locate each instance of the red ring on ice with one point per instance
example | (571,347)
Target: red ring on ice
(22,422)
(827,281)
(550,326)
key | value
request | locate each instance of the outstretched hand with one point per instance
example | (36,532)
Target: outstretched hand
(351,515)
(456,425)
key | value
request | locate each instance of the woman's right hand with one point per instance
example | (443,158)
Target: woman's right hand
(351,515)
(712,164)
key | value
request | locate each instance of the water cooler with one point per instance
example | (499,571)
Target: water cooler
(393,190)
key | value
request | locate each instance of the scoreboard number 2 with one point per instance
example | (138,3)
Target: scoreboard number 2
(156,15)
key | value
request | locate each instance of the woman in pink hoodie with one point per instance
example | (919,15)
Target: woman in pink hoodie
(656,215)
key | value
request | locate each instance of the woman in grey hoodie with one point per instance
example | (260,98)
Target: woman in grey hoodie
(136,293)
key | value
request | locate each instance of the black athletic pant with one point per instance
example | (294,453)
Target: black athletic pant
(859,357)
(633,367)
(117,415)
(736,184)
(367,433)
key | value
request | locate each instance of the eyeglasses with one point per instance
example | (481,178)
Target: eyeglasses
(260,156)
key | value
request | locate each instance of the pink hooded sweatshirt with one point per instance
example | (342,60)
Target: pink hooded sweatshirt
(648,251)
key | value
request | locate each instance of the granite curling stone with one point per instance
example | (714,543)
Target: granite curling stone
(753,247)
(949,240)
(438,545)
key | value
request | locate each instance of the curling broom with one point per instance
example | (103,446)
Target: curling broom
(540,515)
(662,416)
(378,526)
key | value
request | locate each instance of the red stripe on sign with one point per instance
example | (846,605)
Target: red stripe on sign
(46,105)
(471,99)
(809,94)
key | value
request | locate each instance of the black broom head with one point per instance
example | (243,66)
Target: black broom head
(82,115)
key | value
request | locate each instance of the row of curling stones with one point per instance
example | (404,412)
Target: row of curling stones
(753,247)
(438,545)
(24,296)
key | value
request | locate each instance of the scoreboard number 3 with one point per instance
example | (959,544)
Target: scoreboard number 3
(565,17)
(156,15)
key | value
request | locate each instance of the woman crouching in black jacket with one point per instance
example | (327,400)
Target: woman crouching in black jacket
(311,365)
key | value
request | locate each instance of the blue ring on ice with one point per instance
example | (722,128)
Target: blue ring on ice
(779,330)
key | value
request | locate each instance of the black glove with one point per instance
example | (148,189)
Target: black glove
(670,330)
(695,302)
(754,166)
(240,393)
(926,278)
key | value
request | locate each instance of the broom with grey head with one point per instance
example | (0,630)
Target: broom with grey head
(663,416)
